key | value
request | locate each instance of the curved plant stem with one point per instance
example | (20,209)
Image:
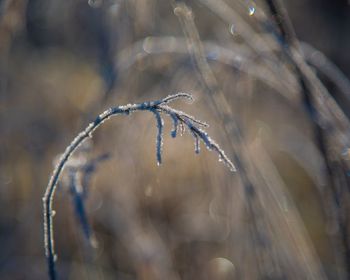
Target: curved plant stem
(156,107)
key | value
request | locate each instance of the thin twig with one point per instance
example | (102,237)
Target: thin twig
(156,107)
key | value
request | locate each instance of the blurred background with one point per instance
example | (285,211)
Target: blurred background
(282,215)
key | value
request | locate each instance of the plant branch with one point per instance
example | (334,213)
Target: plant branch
(156,107)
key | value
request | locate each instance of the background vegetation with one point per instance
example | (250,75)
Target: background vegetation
(283,215)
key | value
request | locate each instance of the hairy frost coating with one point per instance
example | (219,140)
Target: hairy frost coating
(159,107)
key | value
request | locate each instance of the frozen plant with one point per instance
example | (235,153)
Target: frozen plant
(159,108)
